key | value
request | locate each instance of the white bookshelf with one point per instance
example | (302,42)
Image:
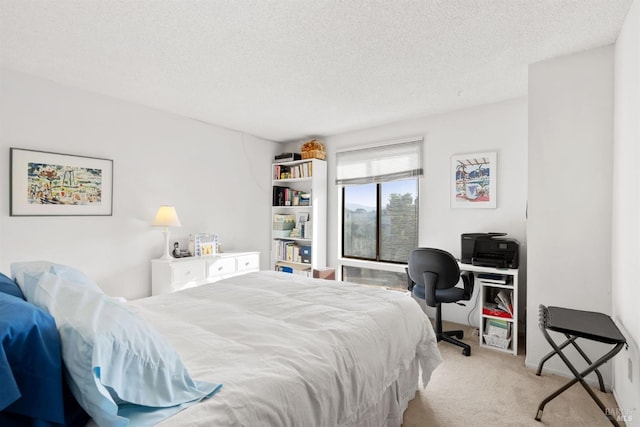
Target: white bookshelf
(314,185)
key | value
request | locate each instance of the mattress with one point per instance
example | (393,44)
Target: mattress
(295,351)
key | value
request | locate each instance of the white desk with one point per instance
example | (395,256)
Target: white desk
(487,291)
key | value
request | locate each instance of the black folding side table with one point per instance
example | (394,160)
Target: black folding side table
(576,324)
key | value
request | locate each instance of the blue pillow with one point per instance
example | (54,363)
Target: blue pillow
(10,287)
(118,365)
(30,364)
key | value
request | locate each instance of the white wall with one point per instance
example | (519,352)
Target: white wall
(626,211)
(570,179)
(218,180)
(500,127)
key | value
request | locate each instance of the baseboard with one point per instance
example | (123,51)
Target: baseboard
(568,375)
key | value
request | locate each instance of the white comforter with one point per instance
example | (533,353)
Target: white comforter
(292,351)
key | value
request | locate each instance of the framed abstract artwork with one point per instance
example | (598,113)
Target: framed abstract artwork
(473,180)
(55,184)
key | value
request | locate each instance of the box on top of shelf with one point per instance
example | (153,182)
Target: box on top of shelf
(313,149)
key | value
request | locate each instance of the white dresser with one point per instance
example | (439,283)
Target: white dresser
(181,273)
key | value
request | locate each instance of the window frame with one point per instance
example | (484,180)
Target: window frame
(377,260)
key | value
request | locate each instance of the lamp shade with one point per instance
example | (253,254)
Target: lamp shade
(167,217)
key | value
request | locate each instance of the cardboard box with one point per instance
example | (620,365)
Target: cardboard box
(324,273)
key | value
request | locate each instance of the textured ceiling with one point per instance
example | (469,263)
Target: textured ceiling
(285,70)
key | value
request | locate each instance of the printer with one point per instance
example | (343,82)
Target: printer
(489,250)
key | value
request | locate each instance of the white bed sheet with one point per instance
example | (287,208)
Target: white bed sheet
(292,351)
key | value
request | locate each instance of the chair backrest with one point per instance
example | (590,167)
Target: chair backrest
(435,261)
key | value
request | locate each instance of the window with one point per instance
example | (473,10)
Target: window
(379,209)
(380,221)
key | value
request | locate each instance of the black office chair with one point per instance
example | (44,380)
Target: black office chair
(434,274)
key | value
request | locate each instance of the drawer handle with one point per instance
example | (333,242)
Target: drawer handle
(187,273)
(220,268)
(246,263)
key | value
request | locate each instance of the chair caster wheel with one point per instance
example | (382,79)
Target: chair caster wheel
(466,351)
(459,335)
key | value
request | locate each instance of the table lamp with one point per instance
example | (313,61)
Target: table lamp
(166,217)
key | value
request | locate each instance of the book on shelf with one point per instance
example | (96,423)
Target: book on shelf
(305,254)
(300,230)
(306,231)
(287,251)
(492,309)
(302,170)
(498,328)
(278,195)
(503,299)
(285,196)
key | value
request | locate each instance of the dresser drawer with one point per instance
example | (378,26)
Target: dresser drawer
(177,274)
(185,272)
(221,267)
(248,262)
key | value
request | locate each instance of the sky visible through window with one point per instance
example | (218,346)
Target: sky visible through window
(364,196)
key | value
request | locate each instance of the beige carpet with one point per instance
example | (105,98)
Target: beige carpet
(491,388)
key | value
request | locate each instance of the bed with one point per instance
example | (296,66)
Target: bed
(265,348)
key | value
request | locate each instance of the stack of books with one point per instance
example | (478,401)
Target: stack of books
(303,170)
(287,251)
(305,199)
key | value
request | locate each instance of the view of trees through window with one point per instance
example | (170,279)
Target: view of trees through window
(380,221)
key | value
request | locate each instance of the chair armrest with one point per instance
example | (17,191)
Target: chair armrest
(468,282)
(430,281)
(410,283)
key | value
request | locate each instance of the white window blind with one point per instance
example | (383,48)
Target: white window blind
(381,163)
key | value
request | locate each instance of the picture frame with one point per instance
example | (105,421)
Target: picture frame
(474,180)
(303,217)
(44,183)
